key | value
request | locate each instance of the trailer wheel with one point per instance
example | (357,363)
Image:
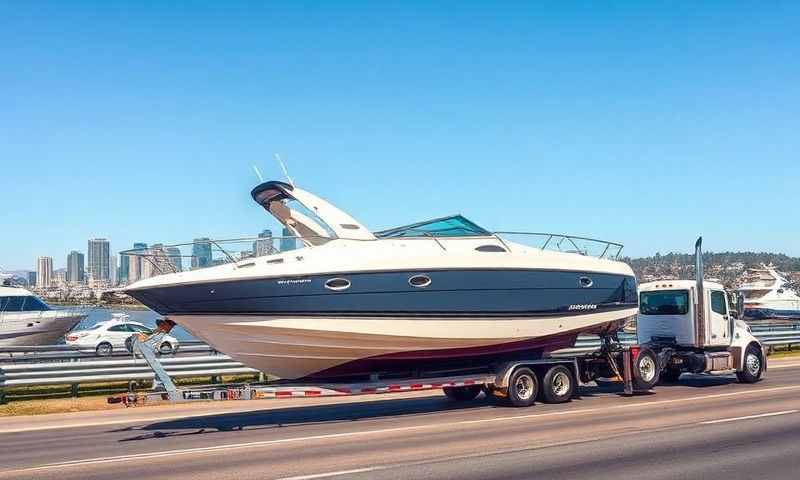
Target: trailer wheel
(645,370)
(753,366)
(463,394)
(522,387)
(558,385)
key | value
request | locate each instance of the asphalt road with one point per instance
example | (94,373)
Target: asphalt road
(706,427)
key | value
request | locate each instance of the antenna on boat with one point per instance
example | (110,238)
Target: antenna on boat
(258,173)
(283,167)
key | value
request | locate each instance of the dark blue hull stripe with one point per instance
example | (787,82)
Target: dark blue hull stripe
(459,293)
(764,313)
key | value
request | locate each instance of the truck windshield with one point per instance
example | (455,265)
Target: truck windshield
(667,302)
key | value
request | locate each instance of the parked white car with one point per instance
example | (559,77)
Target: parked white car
(106,337)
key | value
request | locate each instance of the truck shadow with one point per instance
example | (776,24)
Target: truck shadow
(303,415)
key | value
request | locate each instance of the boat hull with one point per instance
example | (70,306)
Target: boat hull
(24,329)
(332,347)
(296,327)
(764,313)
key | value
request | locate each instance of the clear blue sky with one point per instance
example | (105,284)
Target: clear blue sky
(639,122)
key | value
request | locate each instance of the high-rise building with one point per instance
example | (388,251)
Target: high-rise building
(44,271)
(75,266)
(124,269)
(263,246)
(112,270)
(201,253)
(98,261)
(174,258)
(288,241)
(135,262)
(31,279)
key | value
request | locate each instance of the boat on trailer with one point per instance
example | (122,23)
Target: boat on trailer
(424,297)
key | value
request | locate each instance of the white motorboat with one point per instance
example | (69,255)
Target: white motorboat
(26,320)
(769,295)
(420,297)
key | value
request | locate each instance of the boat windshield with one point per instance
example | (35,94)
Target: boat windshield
(22,303)
(453,226)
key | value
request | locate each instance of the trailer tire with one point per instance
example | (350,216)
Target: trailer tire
(645,370)
(753,366)
(523,387)
(463,394)
(558,385)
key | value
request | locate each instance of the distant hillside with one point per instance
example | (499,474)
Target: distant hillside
(727,267)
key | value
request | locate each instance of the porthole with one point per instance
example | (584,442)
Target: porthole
(585,282)
(419,281)
(337,284)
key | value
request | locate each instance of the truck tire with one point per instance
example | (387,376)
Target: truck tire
(522,387)
(753,366)
(645,370)
(670,375)
(558,385)
(462,394)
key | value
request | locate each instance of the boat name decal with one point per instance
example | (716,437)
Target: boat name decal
(294,281)
(583,306)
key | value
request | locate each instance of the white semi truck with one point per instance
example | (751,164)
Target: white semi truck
(692,328)
(683,327)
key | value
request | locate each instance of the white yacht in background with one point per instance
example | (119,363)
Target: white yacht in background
(418,297)
(26,320)
(769,295)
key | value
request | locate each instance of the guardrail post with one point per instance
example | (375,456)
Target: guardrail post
(73,390)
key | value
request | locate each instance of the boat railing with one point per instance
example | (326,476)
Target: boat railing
(159,259)
(561,242)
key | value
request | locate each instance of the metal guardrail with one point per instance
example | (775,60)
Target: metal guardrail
(59,373)
(74,368)
(65,353)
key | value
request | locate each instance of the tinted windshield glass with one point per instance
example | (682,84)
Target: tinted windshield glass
(455,226)
(670,302)
(22,304)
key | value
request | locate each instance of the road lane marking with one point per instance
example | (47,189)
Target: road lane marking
(102,423)
(749,417)
(333,474)
(782,365)
(266,443)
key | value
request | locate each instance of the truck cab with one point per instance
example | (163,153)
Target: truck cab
(694,330)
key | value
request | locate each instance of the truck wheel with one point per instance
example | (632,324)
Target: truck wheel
(462,394)
(645,370)
(670,375)
(522,387)
(558,385)
(753,366)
